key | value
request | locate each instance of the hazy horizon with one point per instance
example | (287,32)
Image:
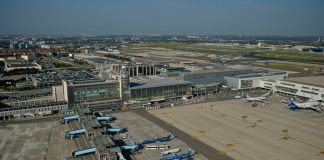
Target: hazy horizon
(289,18)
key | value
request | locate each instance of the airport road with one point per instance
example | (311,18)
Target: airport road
(36,120)
(200,147)
(81,141)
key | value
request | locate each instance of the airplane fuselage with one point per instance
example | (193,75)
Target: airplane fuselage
(260,99)
(307,105)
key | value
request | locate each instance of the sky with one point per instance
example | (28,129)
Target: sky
(180,17)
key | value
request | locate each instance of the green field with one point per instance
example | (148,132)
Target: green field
(262,53)
(199,48)
(290,67)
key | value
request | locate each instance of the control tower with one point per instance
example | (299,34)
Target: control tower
(124,84)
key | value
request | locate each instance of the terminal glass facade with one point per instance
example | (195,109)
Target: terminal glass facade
(212,77)
(162,91)
(104,105)
(287,89)
(93,92)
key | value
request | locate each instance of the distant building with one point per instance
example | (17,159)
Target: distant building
(13,46)
(138,69)
(63,54)
(28,57)
(13,64)
(22,46)
(45,46)
(172,71)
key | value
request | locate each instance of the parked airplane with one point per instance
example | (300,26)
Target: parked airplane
(310,104)
(158,139)
(172,151)
(115,130)
(262,98)
(72,134)
(132,145)
(181,156)
(239,96)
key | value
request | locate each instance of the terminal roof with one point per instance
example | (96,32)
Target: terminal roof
(159,83)
(91,124)
(317,81)
(104,140)
(259,74)
(85,110)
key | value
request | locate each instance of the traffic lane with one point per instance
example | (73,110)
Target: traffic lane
(200,147)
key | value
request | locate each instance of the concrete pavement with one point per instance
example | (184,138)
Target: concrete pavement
(200,147)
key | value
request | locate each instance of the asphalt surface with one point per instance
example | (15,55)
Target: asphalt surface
(200,147)
(36,120)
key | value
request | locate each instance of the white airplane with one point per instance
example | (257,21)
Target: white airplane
(172,151)
(239,96)
(310,104)
(262,98)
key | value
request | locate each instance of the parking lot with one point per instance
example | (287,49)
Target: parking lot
(140,129)
(41,140)
(235,128)
(50,77)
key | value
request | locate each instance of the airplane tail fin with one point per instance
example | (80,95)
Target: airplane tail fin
(290,101)
(291,104)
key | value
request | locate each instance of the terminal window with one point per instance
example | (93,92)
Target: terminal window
(287,84)
(246,83)
(286,89)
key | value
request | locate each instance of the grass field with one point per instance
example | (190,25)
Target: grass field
(290,67)
(262,54)
(199,48)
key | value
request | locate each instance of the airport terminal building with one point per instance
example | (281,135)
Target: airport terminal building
(96,94)
(252,80)
(302,87)
(204,82)
(160,89)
